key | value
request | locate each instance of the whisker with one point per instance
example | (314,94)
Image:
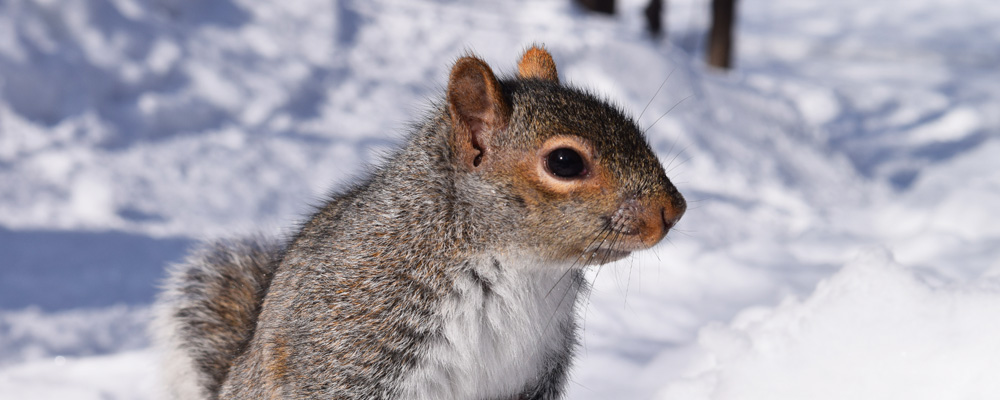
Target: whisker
(668,112)
(696,206)
(674,158)
(678,165)
(575,262)
(673,145)
(581,385)
(600,266)
(561,277)
(685,233)
(628,282)
(559,304)
(598,273)
(590,289)
(586,310)
(614,243)
(657,93)
(603,233)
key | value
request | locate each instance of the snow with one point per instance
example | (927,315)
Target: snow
(843,181)
(123,375)
(872,331)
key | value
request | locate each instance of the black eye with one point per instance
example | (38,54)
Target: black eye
(566,163)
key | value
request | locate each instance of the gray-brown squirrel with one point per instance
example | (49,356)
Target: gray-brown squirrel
(452,272)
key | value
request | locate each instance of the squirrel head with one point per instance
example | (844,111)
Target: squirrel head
(581,182)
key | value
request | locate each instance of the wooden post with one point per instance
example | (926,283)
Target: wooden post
(720,38)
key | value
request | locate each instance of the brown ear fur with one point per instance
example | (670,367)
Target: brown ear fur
(478,108)
(537,63)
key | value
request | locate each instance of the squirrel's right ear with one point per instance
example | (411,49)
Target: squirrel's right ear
(478,109)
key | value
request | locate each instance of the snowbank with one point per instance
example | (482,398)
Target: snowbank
(874,330)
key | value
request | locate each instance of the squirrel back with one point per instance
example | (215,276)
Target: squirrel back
(451,272)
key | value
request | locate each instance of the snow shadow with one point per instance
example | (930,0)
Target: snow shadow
(59,270)
(120,63)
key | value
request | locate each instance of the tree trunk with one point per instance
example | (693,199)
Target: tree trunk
(601,6)
(654,18)
(720,38)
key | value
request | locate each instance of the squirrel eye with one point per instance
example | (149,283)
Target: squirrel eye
(565,163)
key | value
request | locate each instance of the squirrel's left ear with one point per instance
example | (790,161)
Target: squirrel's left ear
(478,109)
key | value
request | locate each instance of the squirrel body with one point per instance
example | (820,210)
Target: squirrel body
(451,272)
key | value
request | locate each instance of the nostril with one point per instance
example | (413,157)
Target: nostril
(670,218)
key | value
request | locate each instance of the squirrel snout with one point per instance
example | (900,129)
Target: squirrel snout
(648,220)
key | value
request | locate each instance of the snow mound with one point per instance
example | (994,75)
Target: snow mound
(874,330)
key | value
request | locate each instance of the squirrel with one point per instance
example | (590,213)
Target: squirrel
(451,272)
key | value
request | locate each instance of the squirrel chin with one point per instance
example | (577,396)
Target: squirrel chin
(601,256)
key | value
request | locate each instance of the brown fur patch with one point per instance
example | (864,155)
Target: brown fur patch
(278,365)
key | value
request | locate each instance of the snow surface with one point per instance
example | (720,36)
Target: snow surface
(852,133)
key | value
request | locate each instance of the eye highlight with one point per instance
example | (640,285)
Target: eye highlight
(565,162)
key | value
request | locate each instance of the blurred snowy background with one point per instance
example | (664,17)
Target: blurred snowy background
(842,240)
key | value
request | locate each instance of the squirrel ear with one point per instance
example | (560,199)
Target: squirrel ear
(537,63)
(478,108)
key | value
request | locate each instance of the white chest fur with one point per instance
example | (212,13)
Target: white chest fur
(506,321)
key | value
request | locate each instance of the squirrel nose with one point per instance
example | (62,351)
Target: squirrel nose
(673,211)
(670,218)
(661,216)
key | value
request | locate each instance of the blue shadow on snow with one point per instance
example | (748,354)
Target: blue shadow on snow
(57,270)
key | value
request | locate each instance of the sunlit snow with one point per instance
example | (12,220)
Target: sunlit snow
(843,182)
